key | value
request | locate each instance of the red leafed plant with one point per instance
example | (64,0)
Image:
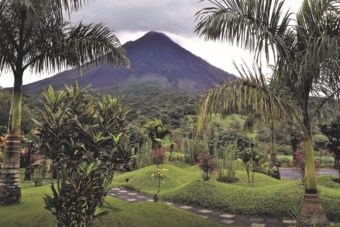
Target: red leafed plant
(158,156)
(208,164)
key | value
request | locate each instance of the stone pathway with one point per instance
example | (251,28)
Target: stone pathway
(294,173)
(214,215)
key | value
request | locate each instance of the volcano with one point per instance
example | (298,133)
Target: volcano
(154,58)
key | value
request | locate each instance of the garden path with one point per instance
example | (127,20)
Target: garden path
(217,216)
(294,173)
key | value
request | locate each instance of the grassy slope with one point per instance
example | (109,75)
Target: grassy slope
(267,196)
(142,179)
(31,212)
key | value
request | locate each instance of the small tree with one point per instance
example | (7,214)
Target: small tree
(250,156)
(160,175)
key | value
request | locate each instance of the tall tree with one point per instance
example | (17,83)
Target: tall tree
(305,51)
(35,36)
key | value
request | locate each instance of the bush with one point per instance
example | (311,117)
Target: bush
(285,160)
(208,164)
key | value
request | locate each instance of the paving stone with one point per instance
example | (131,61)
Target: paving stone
(256,220)
(288,221)
(227,216)
(227,221)
(257,225)
(185,207)
(168,203)
(205,211)
(141,197)
(131,200)
(123,191)
(150,200)
(132,193)
(115,189)
(203,216)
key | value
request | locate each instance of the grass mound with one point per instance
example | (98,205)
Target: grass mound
(142,180)
(274,200)
(267,196)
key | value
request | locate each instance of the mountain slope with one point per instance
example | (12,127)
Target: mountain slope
(154,58)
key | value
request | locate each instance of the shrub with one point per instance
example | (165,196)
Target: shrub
(285,160)
(228,170)
(208,164)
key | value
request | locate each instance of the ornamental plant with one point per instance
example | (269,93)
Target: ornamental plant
(82,136)
(160,175)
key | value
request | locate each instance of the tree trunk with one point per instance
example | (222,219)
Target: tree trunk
(310,173)
(273,158)
(10,191)
(312,213)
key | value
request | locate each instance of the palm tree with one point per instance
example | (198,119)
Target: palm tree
(157,131)
(35,36)
(305,50)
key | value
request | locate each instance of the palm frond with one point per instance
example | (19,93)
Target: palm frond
(63,44)
(58,6)
(252,93)
(257,25)
(91,42)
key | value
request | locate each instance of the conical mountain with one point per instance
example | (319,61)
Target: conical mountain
(154,58)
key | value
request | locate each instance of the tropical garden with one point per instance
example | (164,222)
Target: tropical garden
(64,152)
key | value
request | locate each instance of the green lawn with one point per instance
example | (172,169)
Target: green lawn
(267,196)
(31,212)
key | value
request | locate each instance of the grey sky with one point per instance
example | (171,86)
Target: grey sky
(133,18)
(174,16)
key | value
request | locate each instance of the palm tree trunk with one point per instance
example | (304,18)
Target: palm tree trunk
(10,191)
(309,172)
(311,213)
(273,158)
